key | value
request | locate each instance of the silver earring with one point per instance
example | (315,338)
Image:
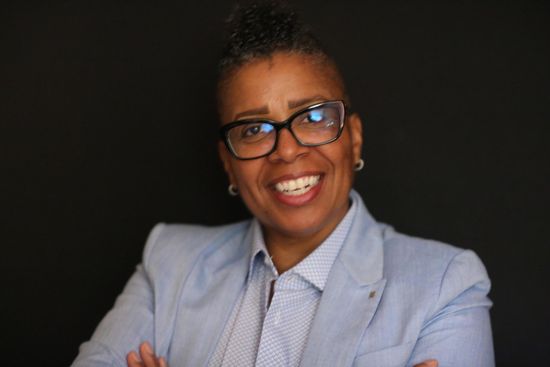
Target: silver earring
(359,165)
(232,190)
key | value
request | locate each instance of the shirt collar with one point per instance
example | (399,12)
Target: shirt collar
(316,266)
(259,250)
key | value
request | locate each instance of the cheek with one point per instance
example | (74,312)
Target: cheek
(247,174)
(340,154)
(342,160)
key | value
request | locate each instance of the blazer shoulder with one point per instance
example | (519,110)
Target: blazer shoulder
(435,266)
(181,243)
(401,249)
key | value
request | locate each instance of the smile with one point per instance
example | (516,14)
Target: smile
(297,186)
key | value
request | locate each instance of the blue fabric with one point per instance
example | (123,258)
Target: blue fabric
(390,300)
(276,335)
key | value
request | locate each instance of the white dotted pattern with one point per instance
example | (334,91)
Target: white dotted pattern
(258,334)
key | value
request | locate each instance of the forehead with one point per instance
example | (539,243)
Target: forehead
(273,82)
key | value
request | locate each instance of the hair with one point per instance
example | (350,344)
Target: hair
(260,29)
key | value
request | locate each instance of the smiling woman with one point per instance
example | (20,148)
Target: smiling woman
(275,88)
(312,279)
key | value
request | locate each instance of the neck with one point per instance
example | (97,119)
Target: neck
(287,250)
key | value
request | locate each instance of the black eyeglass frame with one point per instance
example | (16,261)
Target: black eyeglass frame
(278,126)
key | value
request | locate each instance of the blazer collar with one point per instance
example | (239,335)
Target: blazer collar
(351,296)
(211,294)
(363,255)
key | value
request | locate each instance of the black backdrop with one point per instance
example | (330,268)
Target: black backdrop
(108,126)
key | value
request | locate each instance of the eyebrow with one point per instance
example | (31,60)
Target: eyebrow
(255,111)
(291,104)
(307,100)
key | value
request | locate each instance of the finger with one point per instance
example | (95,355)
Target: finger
(162,362)
(428,363)
(133,360)
(147,355)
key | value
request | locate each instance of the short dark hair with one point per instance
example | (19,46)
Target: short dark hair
(261,28)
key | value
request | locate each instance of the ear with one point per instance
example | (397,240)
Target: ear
(356,133)
(226,159)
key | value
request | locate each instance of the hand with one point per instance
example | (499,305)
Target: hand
(149,359)
(428,363)
(146,357)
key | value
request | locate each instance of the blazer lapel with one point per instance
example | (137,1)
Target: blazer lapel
(211,295)
(351,295)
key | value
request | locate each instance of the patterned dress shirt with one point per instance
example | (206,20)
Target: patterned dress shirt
(262,333)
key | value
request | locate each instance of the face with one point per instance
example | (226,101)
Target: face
(295,191)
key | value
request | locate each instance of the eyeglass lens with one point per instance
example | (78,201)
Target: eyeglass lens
(316,126)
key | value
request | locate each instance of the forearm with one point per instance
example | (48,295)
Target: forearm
(123,329)
(458,330)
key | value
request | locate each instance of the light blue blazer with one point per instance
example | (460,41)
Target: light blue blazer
(390,300)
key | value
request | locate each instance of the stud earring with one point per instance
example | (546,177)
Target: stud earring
(232,190)
(359,165)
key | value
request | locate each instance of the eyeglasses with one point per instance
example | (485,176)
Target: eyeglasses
(319,124)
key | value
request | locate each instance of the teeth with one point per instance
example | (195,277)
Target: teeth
(297,187)
(292,185)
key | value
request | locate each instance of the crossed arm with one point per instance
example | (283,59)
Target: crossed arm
(456,332)
(147,358)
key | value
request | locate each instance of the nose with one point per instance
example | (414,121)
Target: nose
(288,149)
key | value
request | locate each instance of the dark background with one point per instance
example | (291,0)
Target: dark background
(107,126)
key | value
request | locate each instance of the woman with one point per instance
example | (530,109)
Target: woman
(313,279)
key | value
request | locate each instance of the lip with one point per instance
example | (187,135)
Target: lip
(297,200)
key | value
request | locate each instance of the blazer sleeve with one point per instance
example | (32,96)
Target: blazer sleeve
(457,331)
(127,324)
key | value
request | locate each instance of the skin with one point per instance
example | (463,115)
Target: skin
(274,88)
(147,358)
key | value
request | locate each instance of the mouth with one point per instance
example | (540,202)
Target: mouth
(298,186)
(297,191)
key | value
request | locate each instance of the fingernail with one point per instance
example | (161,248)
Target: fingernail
(133,356)
(148,348)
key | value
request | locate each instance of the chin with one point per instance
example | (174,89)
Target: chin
(299,227)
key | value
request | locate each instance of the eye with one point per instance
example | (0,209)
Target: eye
(255,130)
(251,130)
(319,118)
(315,116)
